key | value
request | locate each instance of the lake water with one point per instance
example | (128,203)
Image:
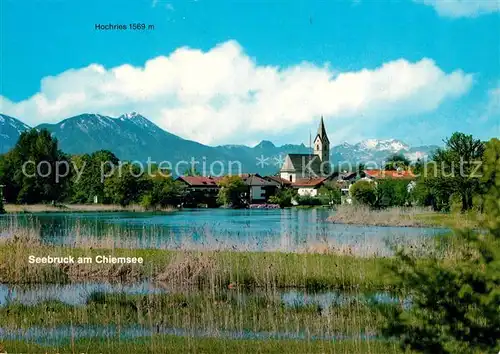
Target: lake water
(79,293)
(247,229)
(65,334)
(259,230)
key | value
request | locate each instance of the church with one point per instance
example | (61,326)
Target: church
(309,166)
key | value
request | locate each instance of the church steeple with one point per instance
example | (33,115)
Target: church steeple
(322,130)
(322,143)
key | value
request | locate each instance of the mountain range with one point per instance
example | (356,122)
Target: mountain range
(131,136)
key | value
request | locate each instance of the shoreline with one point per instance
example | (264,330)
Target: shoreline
(402,217)
(78,208)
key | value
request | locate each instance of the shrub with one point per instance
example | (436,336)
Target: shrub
(363,192)
(330,194)
(232,191)
(454,302)
(284,197)
(308,200)
(392,193)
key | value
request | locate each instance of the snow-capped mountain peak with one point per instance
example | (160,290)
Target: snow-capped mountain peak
(10,129)
(391,145)
(13,123)
(130,115)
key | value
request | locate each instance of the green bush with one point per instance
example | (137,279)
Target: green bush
(232,191)
(454,302)
(284,197)
(330,194)
(363,192)
(308,200)
(392,193)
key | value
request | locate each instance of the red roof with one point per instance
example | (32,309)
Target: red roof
(381,174)
(200,181)
(309,182)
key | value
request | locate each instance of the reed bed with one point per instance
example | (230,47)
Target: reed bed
(77,208)
(221,268)
(173,344)
(226,292)
(316,264)
(401,217)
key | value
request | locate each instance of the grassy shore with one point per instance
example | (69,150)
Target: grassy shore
(218,268)
(402,217)
(75,208)
(172,344)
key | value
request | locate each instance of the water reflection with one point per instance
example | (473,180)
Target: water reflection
(61,334)
(282,230)
(79,293)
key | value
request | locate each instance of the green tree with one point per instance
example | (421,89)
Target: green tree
(2,209)
(92,171)
(490,186)
(397,161)
(329,194)
(390,193)
(126,185)
(363,192)
(284,197)
(162,192)
(456,167)
(35,170)
(232,191)
(454,302)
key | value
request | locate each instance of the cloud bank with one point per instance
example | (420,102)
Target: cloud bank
(463,8)
(224,96)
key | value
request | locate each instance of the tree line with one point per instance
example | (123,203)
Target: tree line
(449,180)
(86,177)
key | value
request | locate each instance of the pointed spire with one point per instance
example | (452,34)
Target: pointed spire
(322,130)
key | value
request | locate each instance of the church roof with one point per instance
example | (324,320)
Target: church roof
(302,162)
(322,131)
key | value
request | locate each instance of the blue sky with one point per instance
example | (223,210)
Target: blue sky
(242,71)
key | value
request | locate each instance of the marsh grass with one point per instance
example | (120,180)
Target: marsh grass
(205,269)
(211,292)
(402,217)
(172,344)
(77,208)
(212,312)
(209,266)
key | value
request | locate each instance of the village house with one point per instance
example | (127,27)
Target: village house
(200,183)
(259,188)
(205,189)
(389,174)
(280,182)
(201,190)
(309,186)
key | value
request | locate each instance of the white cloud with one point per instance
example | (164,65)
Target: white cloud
(492,108)
(463,8)
(223,96)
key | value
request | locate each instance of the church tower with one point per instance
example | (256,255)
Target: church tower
(322,144)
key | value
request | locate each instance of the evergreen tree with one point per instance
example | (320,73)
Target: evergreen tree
(455,303)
